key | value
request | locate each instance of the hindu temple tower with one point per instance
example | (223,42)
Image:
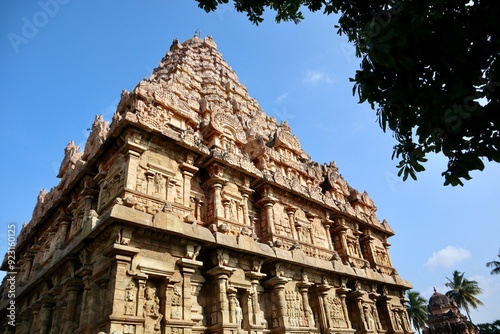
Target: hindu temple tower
(195,212)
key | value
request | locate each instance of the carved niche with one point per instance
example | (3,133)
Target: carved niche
(151,310)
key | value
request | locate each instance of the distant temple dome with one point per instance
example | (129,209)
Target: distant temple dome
(439,303)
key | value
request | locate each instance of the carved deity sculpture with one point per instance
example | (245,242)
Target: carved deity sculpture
(238,313)
(130,299)
(151,311)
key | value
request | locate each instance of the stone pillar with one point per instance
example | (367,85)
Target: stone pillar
(64,223)
(342,293)
(103,297)
(374,296)
(86,314)
(188,170)
(268,213)
(245,193)
(357,298)
(216,185)
(227,208)
(28,258)
(141,282)
(35,324)
(199,212)
(386,247)
(341,230)
(216,182)
(221,316)
(100,179)
(303,289)
(89,195)
(256,319)
(72,286)
(327,224)
(121,256)
(324,314)
(367,242)
(280,321)
(25,322)
(58,311)
(187,268)
(48,303)
(132,152)
(290,211)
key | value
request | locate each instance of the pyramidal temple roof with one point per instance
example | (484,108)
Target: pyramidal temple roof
(195,99)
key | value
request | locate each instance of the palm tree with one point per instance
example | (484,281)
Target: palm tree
(463,292)
(495,265)
(417,310)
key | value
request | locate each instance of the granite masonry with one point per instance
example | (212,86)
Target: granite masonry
(194,212)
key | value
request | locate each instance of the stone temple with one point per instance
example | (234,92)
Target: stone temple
(195,212)
(445,317)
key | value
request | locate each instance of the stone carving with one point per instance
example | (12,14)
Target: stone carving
(175,302)
(130,301)
(336,312)
(96,138)
(152,313)
(130,329)
(72,157)
(153,117)
(110,187)
(236,310)
(295,309)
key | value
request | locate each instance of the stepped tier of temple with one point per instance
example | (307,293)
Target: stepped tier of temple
(195,212)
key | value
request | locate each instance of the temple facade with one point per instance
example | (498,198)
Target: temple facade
(194,212)
(445,318)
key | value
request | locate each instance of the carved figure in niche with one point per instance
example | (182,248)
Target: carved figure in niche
(406,322)
(238,313)
(151,311)
(397,320)
(370,322)
(233,210)
(130,299)
(374,313)
(159,183)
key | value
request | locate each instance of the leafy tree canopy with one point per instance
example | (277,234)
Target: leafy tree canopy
(429,68)
(417,310)
(488,328)
(495,265)
(463,292)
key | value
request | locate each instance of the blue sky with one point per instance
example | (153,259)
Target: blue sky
(63,61)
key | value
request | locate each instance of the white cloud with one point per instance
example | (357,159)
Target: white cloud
(447,257)
(280,98)
(314,77)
